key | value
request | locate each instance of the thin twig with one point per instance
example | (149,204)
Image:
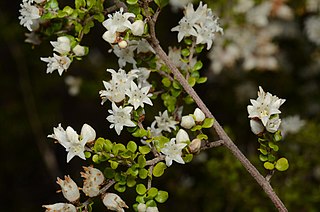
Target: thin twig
(212,145)
(154,42)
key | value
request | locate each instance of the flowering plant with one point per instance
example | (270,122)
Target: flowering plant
(173,136)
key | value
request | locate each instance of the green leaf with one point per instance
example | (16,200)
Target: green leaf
(188,100)
(158,169)
(109,173)
(197,66)
(80,3)
(202,80)
(132,2)
(141,189)
(263,158)
(152,192)
(132,146)
(166,82)
(119,187)
(185,52)
(199,48)
(68,10)
(277,136)
(113,164)
(188,158)
(208,122)
(139,133)
(95,158)
(282,164)
(87,154)
(162,196)
(161,3)
(151,203)
(192,81)
(142,161)
(202,136)
(188,41)
(176,84)
(268,165)
(143,173)
(273,146)
(196,128)
(107,146)
(271,158)
(144,149)
(131,181)
(118,148)
(91,3)
(99,17)
(263,151)
(140,199)
(52,4)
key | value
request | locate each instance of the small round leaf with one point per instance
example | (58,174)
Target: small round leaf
(162,196)
(282,164)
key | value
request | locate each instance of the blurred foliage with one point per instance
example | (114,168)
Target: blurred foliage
(33,102)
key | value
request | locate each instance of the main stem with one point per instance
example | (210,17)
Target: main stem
(227,142)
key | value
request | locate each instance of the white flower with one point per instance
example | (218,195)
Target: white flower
(256,126)
(173,151)
(117,86)
(74,84)
(79,50)
(70,140)
(142,46)
(138,96)
(114,202)
(179,4)
(199,115)
(143,208)
(258,15)
(125,55)
(182,136)
(109,36)
(60,63)
(312,27)
(60,207)
(137,28)
(142,76)
(62,45)
(120,117)
(184,29)
(69,189)
(118,22)
(164,122)
(265,106)
(187,122)
(273,124)
(29,15)
(291,124)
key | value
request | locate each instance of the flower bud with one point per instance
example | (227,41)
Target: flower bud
(199,115)
(182,136)
(93,179)
(123,44)
(142,207)
(79,50)
(137,28)
(195,145)
(114,202)
(88,133)
(256,126)
(109,36)
(187,122)
(60,207)
(69,188)
(273,124)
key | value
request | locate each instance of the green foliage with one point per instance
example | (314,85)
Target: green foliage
(161,3)
(158,169)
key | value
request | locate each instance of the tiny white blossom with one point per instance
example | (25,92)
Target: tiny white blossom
(138,96)
(273,124)
(118,22)
(142,76)
(142,46)
(69,189)
(60,207)
(173,151)
(137,28)
(120,117)
(199,115)
(29,14)
(291,124)
(164,122)
(60,63)
(70,140)
(109,36)
(265,106)
(187,122)
(79,50)
(125,55)
(182,136)
(114,202)
(256,126)
(179,4)
(62,45)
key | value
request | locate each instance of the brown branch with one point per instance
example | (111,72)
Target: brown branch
(212,145)
(227,142)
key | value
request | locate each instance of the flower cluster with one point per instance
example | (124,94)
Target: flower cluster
(264,112)
(117,24)
(30,14)
(122,87)
(200,23)
(93,179)
(72,142)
